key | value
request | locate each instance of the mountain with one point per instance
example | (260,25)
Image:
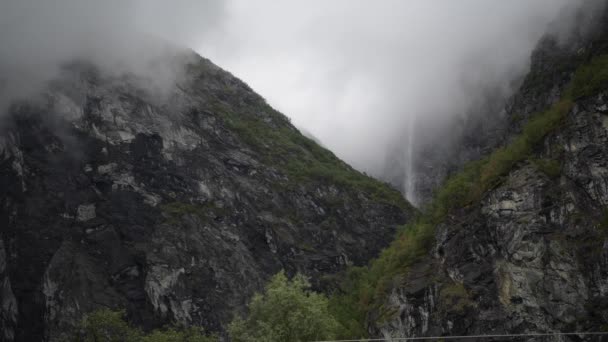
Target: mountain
(519,235)
(175,202)
(177,199)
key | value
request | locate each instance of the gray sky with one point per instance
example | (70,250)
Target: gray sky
(351,72)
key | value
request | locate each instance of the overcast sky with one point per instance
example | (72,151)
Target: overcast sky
(351,72)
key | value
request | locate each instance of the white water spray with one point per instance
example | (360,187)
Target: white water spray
(409,175)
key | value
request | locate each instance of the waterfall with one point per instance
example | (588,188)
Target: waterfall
(409,180)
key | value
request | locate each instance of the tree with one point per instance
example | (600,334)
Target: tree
(287,311)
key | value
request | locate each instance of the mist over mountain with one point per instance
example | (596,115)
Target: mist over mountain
(148,194)
(39,37)
(352,73)
(356,73)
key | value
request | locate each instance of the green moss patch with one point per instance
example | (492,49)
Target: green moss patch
(590,78)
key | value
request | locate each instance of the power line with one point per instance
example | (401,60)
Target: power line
(470,336)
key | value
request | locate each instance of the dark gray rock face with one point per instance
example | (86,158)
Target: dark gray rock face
(113,195)
(532,255)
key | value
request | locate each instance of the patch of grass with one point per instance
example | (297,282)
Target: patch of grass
(477,177)
(314,170)
(590,78)
(108,325)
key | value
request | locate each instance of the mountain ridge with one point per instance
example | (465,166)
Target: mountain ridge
(176,206)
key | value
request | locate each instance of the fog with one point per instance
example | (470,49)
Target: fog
(353,73)
(38,36)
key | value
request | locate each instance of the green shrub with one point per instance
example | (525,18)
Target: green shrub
(477,177)
(106,325)
(287,311)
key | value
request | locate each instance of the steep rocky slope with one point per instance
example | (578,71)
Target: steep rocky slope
(475,131)
(176,205)
(529,252)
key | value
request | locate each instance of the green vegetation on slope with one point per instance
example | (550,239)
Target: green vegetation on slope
(477,177)
(590,78)
(364,289)
(110,326)
(278,143)
(301,159)
(286,311)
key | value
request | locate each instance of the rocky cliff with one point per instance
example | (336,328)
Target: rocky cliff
(175,204)
(474,131)
(529,254)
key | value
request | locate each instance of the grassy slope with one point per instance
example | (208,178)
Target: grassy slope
(276,143)
(301,159)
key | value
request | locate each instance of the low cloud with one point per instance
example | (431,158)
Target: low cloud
(355,73)
(38,36)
